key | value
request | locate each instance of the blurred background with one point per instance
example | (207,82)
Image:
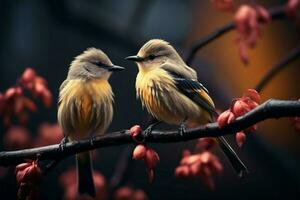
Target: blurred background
(47,35)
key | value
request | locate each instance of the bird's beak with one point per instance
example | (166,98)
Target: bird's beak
(134,58)
(115,68)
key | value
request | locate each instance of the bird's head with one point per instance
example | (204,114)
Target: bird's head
(155,53)
(92,64)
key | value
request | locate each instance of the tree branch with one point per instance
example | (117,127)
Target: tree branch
(292,55)
(275,13)
(267,110)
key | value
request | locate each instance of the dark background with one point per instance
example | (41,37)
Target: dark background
(47,35)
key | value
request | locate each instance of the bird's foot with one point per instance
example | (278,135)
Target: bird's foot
(182,129)
(62,144)
(92,140)
(148,130)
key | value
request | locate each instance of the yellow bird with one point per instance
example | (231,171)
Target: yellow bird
(170,91)
(85,106)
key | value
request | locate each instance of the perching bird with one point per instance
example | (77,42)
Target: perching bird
(170,91)
(85,106)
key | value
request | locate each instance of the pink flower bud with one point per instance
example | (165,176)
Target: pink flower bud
(252,104)
(28,75)
(46,97)
(39,87)
(248,22)
(139,152)
(240,138)
(28,173)
(135,130)
(225,118)
(253,94)
(240,108)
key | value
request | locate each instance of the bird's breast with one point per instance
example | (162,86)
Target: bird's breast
(85,107)
(159,94)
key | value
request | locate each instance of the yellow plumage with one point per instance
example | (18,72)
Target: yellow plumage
(159,94)
(85,107)
(171,92)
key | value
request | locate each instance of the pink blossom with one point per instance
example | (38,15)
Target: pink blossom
(203,165)
(13,102)
(36,85)
(141,152)
(28,176)
(150,157)
(249,21)
(240,107)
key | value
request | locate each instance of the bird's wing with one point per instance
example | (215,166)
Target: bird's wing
(194,90)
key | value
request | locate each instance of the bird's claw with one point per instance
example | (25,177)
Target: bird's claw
(182,129)
(92,140)
(148,130)
(62,144)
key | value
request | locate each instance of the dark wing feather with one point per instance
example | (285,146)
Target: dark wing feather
(191,89)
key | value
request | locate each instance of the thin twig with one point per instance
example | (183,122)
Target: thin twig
(291,56)
(269,109)
(275,13)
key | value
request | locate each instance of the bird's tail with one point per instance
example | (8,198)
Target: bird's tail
(235,161)
(85,174)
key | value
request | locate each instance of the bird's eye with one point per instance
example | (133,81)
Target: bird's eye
(151,57)
(98,63)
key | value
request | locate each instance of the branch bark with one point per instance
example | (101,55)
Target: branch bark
(267,110)
(275,13)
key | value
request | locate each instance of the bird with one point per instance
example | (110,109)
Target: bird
(85,107)
(171,93)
